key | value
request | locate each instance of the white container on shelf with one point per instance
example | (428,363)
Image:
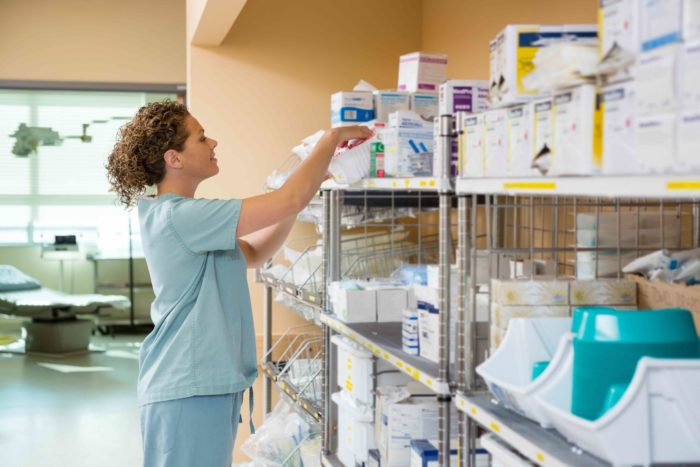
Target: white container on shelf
(472,146)
(657,80)
(656,142)
(355,431)
(508,372)
(655,421)
(501,454)
(421,71)
(619,151)
(520,143)
(495,160)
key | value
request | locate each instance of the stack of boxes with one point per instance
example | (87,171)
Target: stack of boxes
(369,301)
(552,298)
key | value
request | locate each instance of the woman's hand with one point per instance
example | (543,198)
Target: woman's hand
(350,136)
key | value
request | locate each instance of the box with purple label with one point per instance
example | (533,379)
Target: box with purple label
(458,95)
(420,71)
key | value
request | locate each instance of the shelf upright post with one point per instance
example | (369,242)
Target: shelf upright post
(332,204)
(464,357)
(444,160)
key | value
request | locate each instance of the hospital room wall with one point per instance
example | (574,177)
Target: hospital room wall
(128,41)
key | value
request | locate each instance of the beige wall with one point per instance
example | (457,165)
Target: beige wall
(462,29)
(133,41)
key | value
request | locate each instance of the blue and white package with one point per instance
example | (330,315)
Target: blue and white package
(386,102)
(660,23)
(351,108)
(425,104)
(425,454)
(408,152)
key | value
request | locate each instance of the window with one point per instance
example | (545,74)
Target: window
(62,188)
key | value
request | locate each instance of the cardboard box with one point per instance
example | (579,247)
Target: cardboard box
(577,138)
(351,108)
(408,119)
(657,80)
(472,146)
(688,142)
(656,143)
(495,162)
(386,102)
(425,104)
(530,292)
(543,128)
(520,144)
(420,71)
(617,25)
(660,23)
(655,295)
(619,151)
(603,292)
(457,95)
(512,52)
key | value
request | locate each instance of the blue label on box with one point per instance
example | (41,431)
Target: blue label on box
(661,41)
(352,114)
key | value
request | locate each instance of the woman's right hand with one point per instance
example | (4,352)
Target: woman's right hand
(350,136)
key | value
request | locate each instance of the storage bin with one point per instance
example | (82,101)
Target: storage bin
(355,431)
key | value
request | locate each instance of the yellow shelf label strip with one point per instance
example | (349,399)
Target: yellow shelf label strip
(683,185)
(529,186)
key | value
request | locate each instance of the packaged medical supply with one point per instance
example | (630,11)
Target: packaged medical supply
(688,141)
(563,65)
(691,19)
(512,52)
(520,144)
(660,23)
(608,221)
(502,314)
(656,142)
(577,137)
(690,75)
(472,146)
(425,104)
(619,151)
(386,102)
(617,26)
(408,119)
(425,454)
(408,152)
(457,95)
(657,80)
(543,134)
(352,303)
(411,274)
(420,71)
(495,162)
(352,165)
(602,292)
(376,164)
(530,292)
(351,108)
(607,263)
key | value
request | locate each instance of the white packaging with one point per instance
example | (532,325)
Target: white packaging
(619,152)
(502,314)
(355,432)
(457,95)
(530,292)
(513,50)
(429,334)
(407,119)
(495,143)
(656,142)
(353,306)
(617,26)
(386,102)
(690,74)
(472,147)
(390,304)
(691,19)
(658,81)
(520,144)
(577,140)
(543,130)
(660,23)
(408,152)
(420,71)
(603,292)
(425,454)
(351,108)
(688,150)
(425,104)
(352,165)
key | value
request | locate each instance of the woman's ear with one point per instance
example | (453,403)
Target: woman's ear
(172,159)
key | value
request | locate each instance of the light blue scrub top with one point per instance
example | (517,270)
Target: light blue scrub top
(203,342)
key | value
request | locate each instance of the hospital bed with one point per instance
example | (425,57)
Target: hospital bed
(55,325)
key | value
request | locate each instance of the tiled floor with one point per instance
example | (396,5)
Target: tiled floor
(49,418)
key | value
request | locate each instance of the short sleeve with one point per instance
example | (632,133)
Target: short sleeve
(206,224)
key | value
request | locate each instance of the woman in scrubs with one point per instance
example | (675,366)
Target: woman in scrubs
(200,357)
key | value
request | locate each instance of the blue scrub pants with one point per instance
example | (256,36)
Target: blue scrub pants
(195,431)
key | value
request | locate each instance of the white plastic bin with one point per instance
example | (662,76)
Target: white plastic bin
(655,421)
(508,373)
(501,454)
(355,431)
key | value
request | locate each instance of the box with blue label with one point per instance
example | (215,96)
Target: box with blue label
(425,454)
(425,104)
(351,108)
(408,152)
(660,23)
(386,102)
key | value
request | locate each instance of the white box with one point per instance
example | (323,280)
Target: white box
(543,130)
(420,71)
(656,142)
(496,156)
(425,104)
(577,144)
(425,454)
(386,102)
(520,144)
(688,150)
(689,71)
(513,50)
(351,108)
(657,80)
(407,119)
(660,23)
(472,147)
(619,151)
(617,25)
(408,152)
(390,304)
(353,306)
(457,95)
(691,20)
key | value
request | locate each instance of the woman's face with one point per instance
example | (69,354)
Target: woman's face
(198,157)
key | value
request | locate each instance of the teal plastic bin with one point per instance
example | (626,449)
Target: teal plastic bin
(609,344)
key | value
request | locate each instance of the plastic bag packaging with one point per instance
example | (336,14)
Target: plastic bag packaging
(282,440)
(562,65)
(352,165)
(646,264)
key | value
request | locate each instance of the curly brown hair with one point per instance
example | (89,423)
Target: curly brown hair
(136,162)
